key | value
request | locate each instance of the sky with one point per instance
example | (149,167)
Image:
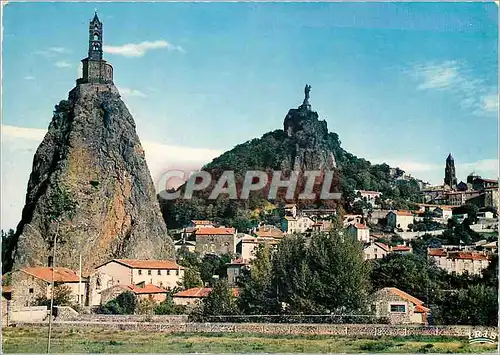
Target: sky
(404,84)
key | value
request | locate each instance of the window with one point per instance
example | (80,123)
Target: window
(168,272)
(139,272)
(159,272)
(398,308)
(177,272)
(149,272)
(31,290)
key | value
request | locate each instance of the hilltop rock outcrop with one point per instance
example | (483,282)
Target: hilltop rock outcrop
(91,166)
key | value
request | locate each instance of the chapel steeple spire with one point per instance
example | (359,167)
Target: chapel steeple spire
(95,39)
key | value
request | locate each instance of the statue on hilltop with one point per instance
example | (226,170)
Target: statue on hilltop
(306,105)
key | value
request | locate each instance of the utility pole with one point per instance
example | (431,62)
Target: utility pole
(80,298)
(52,288)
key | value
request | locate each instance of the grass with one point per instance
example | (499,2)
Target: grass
(97,340)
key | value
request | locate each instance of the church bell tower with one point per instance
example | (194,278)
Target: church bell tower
(95,69)
(95,39)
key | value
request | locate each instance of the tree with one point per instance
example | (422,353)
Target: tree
(220,301)
(411,273)
(256,285)
(146,306)
(8,244)
(169,307)
(62,297)
(469,209)
(125,303)
(474,305)
(191,279)
(339,275)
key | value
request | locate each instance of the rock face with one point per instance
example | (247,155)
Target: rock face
(310,137)
(91,156)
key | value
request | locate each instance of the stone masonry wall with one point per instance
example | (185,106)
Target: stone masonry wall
(357,330)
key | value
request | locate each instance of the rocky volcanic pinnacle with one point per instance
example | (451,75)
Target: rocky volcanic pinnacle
(91,156)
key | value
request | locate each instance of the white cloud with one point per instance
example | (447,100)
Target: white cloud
(58,50)
(130,92)
(52,51)
(20,143)
(436,76)
(62,64)
(29,77)
(458,79)
(489,103)
(140,49)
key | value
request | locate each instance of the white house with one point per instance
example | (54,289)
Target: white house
(460,262)
(296,224)
(375,250)
(399,219)
(368,196)
(362,232)
(162,273)
(444,212)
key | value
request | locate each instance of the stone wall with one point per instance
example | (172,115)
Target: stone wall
(107,318)
(27,289)
(215,244)
(354,330)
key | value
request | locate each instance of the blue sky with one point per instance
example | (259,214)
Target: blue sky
(401,83)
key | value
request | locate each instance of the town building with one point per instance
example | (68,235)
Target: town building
(268,231)
(193,296)
(161,273)
(298,224)
(35,283)
(291,210)
(399,219)
(234,269)
(401,249)
(361,231)
(248,245)
(443,212)
(450,177)
(371,197)
(399,307)
(375,250)
(217,241)
(201,223)
(185,244)
(141,291)
(460,262)
(322,226)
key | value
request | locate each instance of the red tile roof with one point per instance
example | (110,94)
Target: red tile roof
(148,264)
(147,289)
(215,231)
(200,292)
(421,309)
(61,274)
(274,232)
(401,248)
(466,255)
(408,297)
(382,245)
(437,252)
(238,261)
